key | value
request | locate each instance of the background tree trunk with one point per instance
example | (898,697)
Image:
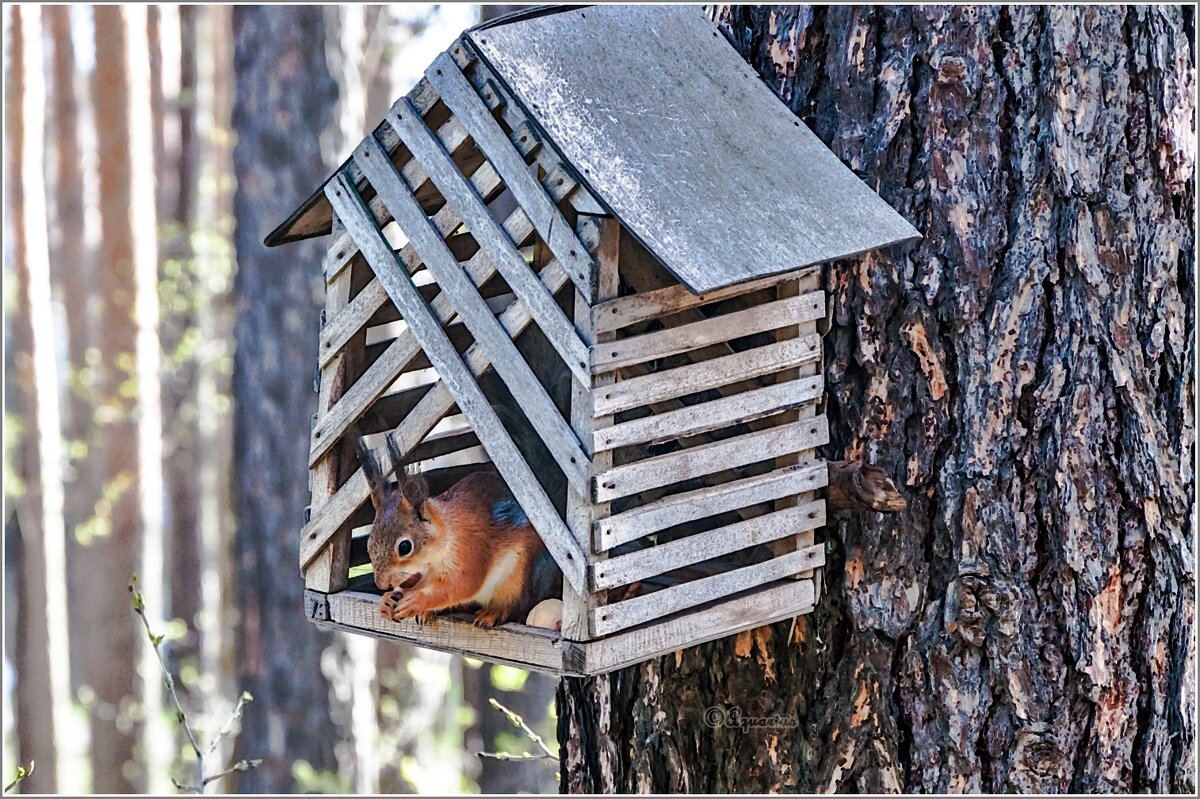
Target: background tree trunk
(43,683)
(284,98)
(1024,375)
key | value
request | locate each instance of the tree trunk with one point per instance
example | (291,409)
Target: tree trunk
(1023,374)
(283,101)
(127,536)
(42,658)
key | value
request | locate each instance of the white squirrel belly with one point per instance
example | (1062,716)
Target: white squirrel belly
(501,571)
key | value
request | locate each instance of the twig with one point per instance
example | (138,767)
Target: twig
(510,756)
(517,721)
(139,607)
(22,773)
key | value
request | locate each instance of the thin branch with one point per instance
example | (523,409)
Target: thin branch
(517,721)
(139,607)
(510,756)
(22,773)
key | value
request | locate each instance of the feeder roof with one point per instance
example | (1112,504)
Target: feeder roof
(680,139)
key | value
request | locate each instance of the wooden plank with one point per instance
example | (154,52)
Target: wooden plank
(633,392)
(485,181)
(494,242)
(314,217)
(399,352)
(644,306)
(712,330)
(455,374)
(665,557)
(648,607)
(746,611)
(512,644)
(676,509)
(707,416)
(582,513)
(330,570)
(730,453)
(428,412)
(460,97)
(502,352)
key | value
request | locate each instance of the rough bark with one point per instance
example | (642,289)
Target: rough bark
(1024,375)
(283,99)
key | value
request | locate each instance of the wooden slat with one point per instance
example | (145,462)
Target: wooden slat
(751,609)
(460,97)
(511,644)
(582,513)
(331,568)
(662,558)
(713,330)
(620,615)
(427,413)
(708,501)
(454,373)
(707,416)
(474,311)
(675,467)
(655,387)
(644,306)
(494,242)
(485,181)
(401,350)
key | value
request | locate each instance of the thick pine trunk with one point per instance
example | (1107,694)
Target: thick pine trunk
(1024,375)
(283,100)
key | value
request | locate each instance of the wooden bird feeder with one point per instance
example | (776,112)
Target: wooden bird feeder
(602,219)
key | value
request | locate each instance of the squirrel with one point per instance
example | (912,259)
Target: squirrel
(471,545)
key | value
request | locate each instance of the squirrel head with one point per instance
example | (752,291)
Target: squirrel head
(407,522)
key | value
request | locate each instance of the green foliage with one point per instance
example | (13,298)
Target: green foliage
(310,780)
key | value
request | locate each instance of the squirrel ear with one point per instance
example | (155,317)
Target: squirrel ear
(372,472)
(416,490)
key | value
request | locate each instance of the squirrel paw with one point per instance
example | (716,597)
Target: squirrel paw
(402,607)
(387,604)
(487,619)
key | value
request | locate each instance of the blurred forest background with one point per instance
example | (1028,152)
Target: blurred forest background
(158,360)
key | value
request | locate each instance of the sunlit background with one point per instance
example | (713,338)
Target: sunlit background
(118,438)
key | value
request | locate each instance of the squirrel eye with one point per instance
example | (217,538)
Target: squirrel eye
(404,548)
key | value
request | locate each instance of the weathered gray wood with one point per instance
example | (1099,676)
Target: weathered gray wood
(389,366)
(494,242)
(329,571)
(643,306)
(454,373)
(647,607)
(676,509)
(513,644)
(633,392)
(452,135)
(657,125)
(474,311)
(662,558)
(582,513)
(460,97)
(730,453)
(713,330)
(315,217)
(432,407)
(713,415)
(751,609)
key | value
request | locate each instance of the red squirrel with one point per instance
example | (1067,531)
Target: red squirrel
(471,545)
